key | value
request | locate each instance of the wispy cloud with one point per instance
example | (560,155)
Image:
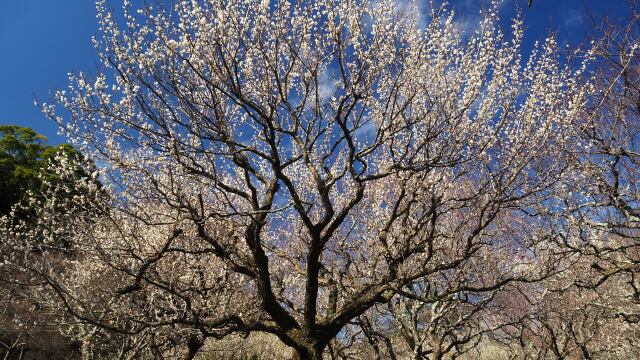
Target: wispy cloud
(574,18)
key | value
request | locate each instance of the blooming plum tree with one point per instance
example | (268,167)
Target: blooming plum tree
(284,166)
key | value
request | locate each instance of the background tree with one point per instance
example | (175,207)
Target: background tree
(603,198)
(24,155)
(28,328)
(459,312)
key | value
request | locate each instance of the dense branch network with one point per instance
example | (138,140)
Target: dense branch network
(298,167)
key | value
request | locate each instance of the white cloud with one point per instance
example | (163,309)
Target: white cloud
(574,18)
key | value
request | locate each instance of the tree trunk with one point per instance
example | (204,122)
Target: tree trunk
(193,347)
(310,353)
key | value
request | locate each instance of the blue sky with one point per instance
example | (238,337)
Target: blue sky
(43,40)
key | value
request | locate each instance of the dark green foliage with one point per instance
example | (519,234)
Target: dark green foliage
(24,155)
